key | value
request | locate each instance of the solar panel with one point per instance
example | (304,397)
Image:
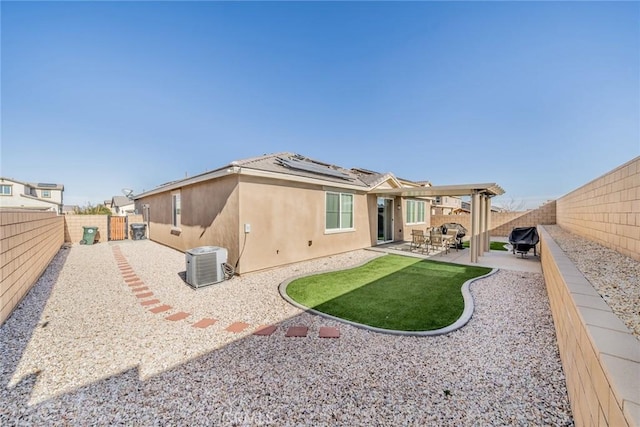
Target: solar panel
(46,184)
(313,168)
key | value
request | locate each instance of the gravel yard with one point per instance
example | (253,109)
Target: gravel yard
(616,277)
(82,350)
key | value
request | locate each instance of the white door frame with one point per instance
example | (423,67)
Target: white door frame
(387,218)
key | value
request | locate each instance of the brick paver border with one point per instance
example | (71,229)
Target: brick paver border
(140,290)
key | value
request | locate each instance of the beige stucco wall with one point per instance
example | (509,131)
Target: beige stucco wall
(606,210)
(598,352)
(209,216)
(28,242)
(288,223)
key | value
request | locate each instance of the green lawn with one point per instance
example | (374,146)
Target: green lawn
(494,246)
(390,292)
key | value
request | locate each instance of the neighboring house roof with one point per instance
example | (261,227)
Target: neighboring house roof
(46,186)
(40,185)
(120,201)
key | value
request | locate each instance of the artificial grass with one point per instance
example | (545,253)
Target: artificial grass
(390,292)
(494,246)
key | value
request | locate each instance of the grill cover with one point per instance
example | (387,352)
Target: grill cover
(524,236)
(455,226)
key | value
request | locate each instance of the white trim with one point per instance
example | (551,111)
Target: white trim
(424,212)
(176,217)
(491,189)
(339,230)
(392,214)
(10,186)
(353,213)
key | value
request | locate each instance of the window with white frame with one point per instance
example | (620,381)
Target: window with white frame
(175,209)
(46,194)
(5,190)
(339,211)
(415,211)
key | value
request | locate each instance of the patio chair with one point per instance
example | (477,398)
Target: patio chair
(437,240)
(419,240)
(453,240)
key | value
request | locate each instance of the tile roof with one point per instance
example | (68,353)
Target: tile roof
(298,165)
(287,163)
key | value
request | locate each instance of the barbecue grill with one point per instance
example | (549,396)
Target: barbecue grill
(455,226)
(522,239)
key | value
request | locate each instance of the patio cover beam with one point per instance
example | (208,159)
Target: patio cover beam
(480,207)
(490,189)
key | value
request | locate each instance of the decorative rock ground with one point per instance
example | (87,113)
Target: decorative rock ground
(81,349)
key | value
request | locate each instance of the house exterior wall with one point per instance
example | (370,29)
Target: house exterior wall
(55,196)
(17,198)
(287,221)
(209,216)
(124,210)
(29,241)
(445,205)
(606,210)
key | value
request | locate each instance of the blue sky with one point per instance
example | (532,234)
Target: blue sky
(105,96)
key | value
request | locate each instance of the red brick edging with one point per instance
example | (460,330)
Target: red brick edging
(141,291)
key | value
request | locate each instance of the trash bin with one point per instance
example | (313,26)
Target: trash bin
(89,235)
(138,231)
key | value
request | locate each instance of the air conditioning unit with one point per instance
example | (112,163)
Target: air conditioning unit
(205,265)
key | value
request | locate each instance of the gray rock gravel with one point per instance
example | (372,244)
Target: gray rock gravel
(81,350)
(616,277)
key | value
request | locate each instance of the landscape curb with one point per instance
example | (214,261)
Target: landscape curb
(462,320)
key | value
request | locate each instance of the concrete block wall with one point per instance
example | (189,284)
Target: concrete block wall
(74,231)
(503,222)
(545,215)
(600,356)
(606,210)
(28,242)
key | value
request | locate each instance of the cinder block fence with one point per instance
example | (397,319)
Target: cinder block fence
(600,356)
(28,243)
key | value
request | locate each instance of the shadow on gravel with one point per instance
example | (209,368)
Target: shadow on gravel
(302,381)
(26,317)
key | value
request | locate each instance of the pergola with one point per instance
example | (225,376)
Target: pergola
(481,195)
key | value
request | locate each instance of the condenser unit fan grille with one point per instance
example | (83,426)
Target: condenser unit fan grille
(205,265)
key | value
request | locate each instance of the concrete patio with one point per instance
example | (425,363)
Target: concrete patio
(504,260)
